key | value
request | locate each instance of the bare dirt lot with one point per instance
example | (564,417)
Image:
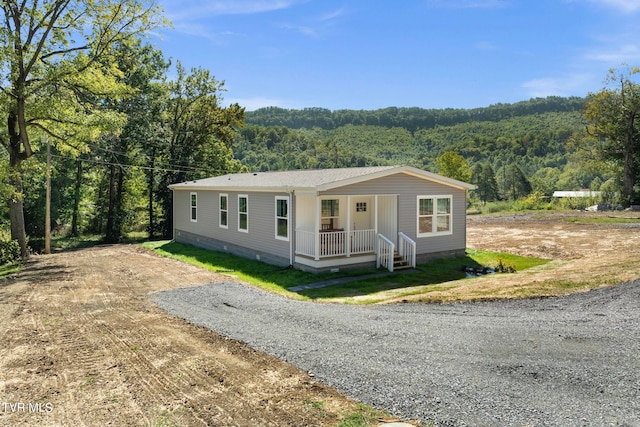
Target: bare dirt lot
(82,345)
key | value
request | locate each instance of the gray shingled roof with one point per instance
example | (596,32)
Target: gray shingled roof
(301,179)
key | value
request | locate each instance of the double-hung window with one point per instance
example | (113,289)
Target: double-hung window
(282,218)
(194,207)
(330,214)
(434,216)
(224,211)
(243,213)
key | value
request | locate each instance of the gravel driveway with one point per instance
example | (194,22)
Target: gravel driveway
(571,361)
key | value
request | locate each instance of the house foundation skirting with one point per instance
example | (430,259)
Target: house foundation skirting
(182,236)
(423,258)
(326,264)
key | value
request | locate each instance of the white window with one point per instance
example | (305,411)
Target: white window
(329,214)
(361,206)
(434,216)
(224,211)
(194,207)
(243,213)
(282,218)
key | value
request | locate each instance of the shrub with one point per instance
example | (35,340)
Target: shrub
(9,251)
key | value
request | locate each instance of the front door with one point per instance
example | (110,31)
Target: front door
(388,217)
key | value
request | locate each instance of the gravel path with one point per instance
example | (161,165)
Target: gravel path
(572,361)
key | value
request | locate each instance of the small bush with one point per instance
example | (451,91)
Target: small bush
(9,251)
(503,267)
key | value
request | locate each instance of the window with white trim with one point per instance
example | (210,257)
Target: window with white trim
(434,216)
(243,213)
(224,211)
(194,207)
(282,218)
(329,214)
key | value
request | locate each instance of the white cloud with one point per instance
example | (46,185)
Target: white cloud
(318,25)
(559,86)
(333,15)
(469,4)
(204,32)
(618,55)
(196,9)
(307,31)
(485,45)
(626,6)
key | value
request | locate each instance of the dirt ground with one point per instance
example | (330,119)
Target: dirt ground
(82,345)
(588,250)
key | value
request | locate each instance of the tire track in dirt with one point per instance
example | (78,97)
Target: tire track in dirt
(82,336)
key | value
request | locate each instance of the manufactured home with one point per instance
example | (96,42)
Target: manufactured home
(384,216)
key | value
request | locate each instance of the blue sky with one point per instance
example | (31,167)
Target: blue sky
(369,54)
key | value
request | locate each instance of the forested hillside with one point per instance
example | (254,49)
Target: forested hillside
(536,136)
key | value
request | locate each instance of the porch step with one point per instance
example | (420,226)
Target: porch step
(399,263)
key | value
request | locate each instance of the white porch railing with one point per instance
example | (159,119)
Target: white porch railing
(386,249)
(306,243)
(334,243)
(407,249)
(362,241)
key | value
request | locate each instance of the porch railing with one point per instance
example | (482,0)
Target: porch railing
(362,241)
(386,249)
(332,243)
(306,243)
(407,249)
(335,243)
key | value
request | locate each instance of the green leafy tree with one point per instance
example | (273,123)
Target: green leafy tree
(614,113)
(545,180)
(485,180)
(516,184)
(200,134)
(56,64)
(453,165)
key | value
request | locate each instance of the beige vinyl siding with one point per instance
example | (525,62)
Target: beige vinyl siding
(305,213)
(407,188)
(261,217)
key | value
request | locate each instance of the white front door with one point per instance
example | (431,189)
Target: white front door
(388,217)
(361,217)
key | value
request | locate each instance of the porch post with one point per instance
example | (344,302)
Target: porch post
(348,228)
(316,231)
(375,222)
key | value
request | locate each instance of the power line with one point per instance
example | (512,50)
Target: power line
(155,168)
(182,167)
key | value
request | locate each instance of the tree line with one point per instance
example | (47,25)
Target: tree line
(78,77)
(79,80)
(412,118)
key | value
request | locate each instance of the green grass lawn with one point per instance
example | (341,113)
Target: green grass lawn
(611,219)
(276,279)
(9,269)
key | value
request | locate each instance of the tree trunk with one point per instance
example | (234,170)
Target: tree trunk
(629,175)
(16,211)
(152,162)
(76,201)
(110,236)
(16,206)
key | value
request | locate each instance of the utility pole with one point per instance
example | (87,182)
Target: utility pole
(47,221)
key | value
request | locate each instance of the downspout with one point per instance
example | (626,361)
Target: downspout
(173,220)
(292,227)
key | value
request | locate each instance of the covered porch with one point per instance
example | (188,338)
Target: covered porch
(342,230)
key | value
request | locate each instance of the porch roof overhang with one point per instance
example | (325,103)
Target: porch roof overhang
(310,181)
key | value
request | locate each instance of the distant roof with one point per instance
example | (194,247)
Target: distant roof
(580,193)
(310,179)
